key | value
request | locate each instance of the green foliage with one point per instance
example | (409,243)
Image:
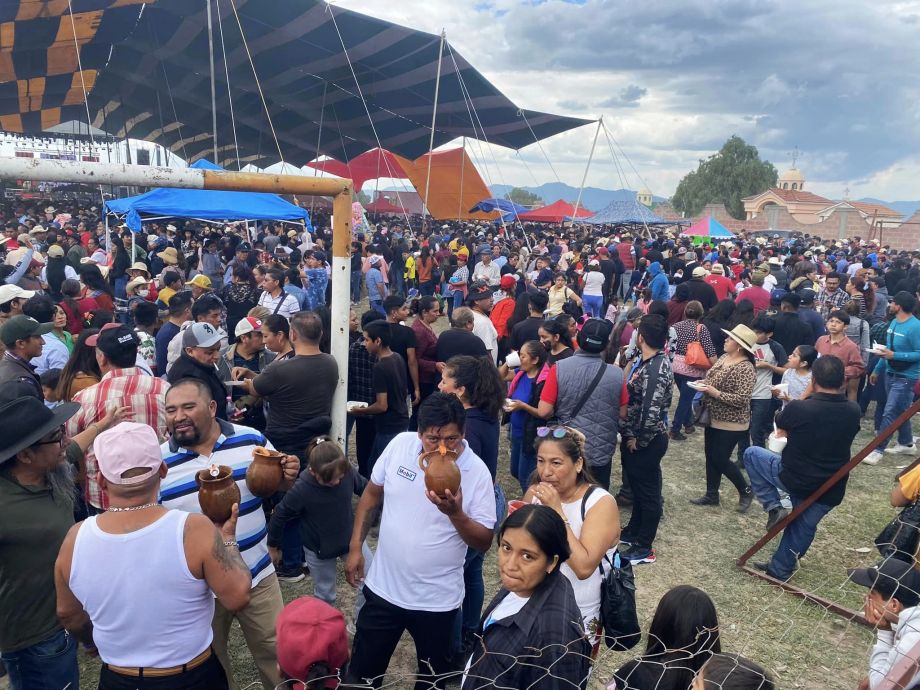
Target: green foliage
(726,177)
(363,198)
(523,198)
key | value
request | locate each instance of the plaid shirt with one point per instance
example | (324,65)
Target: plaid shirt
(145,397)
(830,301)
(541,646)
(360,372)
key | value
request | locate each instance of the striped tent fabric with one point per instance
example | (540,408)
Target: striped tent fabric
(149,62)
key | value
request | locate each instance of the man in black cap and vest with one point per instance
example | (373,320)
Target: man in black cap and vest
(22,336)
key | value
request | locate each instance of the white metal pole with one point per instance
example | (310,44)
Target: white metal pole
(213,83)
(434,118)
(600,123)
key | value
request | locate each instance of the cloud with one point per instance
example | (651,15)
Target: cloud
(628,97)
(833,77)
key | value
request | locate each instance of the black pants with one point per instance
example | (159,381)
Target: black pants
(209,676)
(719,445)
(762,413)
(601,474)
(364,442)
(379,627)
(643,467)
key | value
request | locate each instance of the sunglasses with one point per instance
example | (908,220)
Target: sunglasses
(556,431)
(56,440)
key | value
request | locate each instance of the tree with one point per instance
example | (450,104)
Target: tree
(522,197)
(363,198)
(726,177)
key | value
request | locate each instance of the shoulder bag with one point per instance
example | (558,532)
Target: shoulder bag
(696,355)
(618,598)
(588,391)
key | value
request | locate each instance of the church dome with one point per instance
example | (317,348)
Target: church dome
(793,174)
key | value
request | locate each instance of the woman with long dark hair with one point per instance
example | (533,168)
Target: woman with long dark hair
(555,338)
(56,271)
(426,265)
(427,311)
(81,370)
(719,317)
(96,286)
(682,637)
(689,330)
(239,296)
(76,307)
(526,409)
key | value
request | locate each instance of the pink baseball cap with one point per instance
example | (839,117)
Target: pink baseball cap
(128,446)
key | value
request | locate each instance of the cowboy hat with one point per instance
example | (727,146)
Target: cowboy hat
(141,267)
(26,420)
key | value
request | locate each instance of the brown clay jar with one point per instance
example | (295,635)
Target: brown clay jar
(441,471)
(264,474)
(216,495)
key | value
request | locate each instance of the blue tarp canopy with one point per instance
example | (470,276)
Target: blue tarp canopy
(509,210)
(627,213)
(206,204)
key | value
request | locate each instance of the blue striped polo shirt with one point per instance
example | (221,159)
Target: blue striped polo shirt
(234,449)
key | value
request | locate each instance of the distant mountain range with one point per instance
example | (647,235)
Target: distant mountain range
(906,208)
(592,198)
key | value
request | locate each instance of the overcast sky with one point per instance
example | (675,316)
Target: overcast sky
(675,78)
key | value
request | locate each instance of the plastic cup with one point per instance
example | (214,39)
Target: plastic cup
(514,505)
(513,360)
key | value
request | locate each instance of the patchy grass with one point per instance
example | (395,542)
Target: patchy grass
(803,644)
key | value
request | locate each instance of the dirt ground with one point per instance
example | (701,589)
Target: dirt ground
(803,644)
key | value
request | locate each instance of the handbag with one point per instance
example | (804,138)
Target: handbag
(702,416)
(900,537)
(696,355)
(618,599)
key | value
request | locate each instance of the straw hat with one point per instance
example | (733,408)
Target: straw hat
(743,335)
(140,266)
(169,255)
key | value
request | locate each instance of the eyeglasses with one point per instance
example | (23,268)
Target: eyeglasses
(556,431)
(56,440)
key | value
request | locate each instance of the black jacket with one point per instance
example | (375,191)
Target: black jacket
(187,368)
(19,376)
(324,512)
(702,293)
(791,331)
(821,430)
(543,646)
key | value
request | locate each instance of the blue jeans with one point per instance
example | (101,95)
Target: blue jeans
(762,414)
(522,465)
(593,305)
(900,396)
(797,537)
(426,288)
(51,663)
(457,296)
(763,467)
(377,305)
(355,286)
(683,414)
(467,620)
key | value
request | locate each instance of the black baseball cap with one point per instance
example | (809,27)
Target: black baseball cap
(113,339)
(892,578)
(594,335)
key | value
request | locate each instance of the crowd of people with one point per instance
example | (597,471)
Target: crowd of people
(135,364)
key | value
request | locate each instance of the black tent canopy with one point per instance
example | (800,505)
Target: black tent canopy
(154,83)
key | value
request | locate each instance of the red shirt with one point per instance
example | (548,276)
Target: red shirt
(757,295)
(722,285)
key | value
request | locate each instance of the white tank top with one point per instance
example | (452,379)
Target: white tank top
(146,606)
(587,591)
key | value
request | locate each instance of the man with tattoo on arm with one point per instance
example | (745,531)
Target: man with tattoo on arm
(149,617)
(415,582)
(197,440)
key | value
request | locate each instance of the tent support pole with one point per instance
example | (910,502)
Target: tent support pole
(213,83)
(462,170)
(434,118)
(37,169)
(584,178)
